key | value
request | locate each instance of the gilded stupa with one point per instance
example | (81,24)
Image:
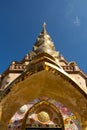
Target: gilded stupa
(43,90)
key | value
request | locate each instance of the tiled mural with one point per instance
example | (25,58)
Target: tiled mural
(69,119)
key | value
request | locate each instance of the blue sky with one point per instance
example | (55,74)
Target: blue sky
(21,22)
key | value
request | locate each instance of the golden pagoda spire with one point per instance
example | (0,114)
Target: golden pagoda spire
(44,43)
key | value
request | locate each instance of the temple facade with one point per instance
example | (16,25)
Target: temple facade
(43,90)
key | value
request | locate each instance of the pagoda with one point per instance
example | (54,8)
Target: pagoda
(43,90)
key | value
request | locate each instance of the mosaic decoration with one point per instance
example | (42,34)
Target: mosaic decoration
(70,120)
(43,116)
(22,110)
(34,101)
(16,121)
(16,125)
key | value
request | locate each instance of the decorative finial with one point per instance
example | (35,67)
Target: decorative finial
(44,26)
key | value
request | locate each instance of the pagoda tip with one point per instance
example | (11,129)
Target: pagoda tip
(44,26)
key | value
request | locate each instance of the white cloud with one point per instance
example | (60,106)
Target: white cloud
(76,21)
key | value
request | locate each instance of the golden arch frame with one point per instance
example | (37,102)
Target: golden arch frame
(44,102)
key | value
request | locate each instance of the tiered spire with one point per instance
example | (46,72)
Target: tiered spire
(44,43)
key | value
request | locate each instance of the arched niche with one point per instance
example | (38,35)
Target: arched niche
(64,118)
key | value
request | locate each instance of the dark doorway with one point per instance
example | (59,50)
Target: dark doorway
(43,128)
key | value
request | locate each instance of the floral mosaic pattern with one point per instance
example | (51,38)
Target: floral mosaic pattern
(70,120)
